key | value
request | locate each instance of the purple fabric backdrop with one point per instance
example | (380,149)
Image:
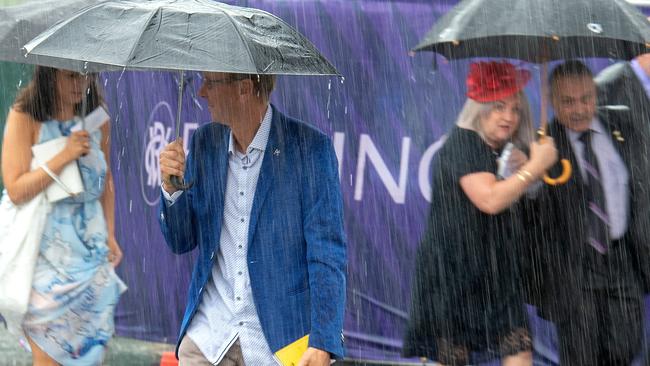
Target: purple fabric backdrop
(385,117)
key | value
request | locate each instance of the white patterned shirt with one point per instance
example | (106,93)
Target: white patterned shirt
(227,310)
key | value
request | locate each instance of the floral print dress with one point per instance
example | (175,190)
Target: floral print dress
(75,288)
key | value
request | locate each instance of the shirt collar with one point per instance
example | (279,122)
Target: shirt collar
(261,137)
(595,126)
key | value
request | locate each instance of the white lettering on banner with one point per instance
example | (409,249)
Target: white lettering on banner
(367,149)
(188,129)
(159,134)
(339,144)
(424,176)
(156,137)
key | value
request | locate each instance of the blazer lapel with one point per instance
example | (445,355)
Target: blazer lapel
(270,167)
(222,162)
(215,167)
(213,158)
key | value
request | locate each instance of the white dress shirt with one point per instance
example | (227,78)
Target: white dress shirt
(227,310)
(613,173)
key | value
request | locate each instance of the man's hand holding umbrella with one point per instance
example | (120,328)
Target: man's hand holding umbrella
(172,163)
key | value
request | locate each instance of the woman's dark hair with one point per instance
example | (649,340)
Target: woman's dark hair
(38,98)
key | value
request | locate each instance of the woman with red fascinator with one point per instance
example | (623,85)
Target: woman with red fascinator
(468,292)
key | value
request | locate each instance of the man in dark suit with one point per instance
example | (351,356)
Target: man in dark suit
(265,215)
(627,84)
(595,240)
(625,88)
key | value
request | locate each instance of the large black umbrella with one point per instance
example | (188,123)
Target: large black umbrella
(177,35)
(540,31)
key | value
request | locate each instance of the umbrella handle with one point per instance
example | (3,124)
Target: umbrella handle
(566,164)
(180,184)
(567,169)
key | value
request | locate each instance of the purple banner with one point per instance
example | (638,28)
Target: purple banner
(386,118)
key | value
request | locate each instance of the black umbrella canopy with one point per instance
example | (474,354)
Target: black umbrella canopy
(21,22)
(173,35)
(540,30)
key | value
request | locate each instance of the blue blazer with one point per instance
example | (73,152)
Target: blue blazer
(296,242)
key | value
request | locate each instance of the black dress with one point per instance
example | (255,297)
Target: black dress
(467,291)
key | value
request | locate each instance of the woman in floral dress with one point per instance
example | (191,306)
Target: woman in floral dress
(75,289)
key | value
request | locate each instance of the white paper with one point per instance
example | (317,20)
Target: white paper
(94,120)
(70,175)
(503,162)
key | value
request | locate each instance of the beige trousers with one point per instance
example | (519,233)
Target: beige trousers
(189,354)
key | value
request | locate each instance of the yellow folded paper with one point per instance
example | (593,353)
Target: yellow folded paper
(291,354)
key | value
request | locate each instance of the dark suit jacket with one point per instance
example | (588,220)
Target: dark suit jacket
(558,225)
(296,242)
(619,85)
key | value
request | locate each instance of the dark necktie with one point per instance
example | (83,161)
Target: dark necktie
(598,221)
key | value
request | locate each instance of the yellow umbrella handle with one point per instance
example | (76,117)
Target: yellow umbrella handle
(567,169)
(566,165)
(563,178)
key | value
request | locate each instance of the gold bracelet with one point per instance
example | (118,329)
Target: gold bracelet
(526,173)
(521,177)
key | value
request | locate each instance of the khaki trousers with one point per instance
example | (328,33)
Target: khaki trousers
(189,354)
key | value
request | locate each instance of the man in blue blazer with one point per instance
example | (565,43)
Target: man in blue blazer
(265,214)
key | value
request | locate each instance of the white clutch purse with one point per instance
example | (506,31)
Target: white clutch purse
(69,182)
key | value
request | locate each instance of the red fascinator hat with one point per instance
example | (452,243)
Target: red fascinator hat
(491,81)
